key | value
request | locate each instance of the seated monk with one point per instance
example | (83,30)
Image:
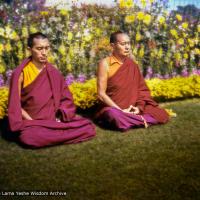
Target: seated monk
(40,106)
(125,100)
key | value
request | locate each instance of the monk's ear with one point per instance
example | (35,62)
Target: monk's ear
(112,45)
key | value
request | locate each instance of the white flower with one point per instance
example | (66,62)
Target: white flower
(148,34)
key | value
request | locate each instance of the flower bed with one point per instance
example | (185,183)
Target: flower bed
(85,94)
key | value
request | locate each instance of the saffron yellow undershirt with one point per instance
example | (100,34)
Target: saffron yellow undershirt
(30,73)
(113,65)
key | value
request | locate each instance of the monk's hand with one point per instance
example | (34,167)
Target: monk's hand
(58,120)
(128,110)
(25,115)
(135,110)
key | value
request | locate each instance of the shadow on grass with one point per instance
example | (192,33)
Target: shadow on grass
(5,131)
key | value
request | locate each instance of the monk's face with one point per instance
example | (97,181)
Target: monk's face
(40,50)
(122,46)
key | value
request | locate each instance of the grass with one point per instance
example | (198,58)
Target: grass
(158,163)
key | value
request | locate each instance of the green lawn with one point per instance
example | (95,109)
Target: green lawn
(158,163)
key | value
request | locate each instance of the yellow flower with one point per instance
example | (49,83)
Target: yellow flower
(174,33)
(147,19)
(160,53)
(8,31)
(185,25)
(1,48)
(33,29)
(14,36)
(141,52)
(171,64)
(98,31)
(63,12)
(27,53)
(90,21)
(191,42)
(198,28)
(88,38)
(3,102)
(8,47)
(20,55)
(69,36)
(196,40)
(153,53)
(129,3)
(144,3)
(185,35)
(187,48)
(185,55)
(161,19)
(134,51)
(103,44)
(180,41)
(69,67)
(122,4)
(138,36)
(19,45)
(197,51)
(2,69)
(140,15)
(62,50)
(24,32)
(179,17)
(129,19)
(44,13)
(71,52)
(2,32)
(126,3)
(178,56)
(51,58)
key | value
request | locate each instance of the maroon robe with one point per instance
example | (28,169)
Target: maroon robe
(127,87)
(46,98)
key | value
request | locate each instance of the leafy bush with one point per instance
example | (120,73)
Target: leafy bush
(163,43)
(3,101)
(85,94)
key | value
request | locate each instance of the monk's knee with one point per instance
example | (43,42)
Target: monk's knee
(30,139)
(110,114)
(113,117)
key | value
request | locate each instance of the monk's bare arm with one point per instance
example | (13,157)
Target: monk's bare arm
(102,78)
(25,115)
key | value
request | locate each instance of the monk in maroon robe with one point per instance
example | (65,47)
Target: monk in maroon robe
(125,98)
(40,106)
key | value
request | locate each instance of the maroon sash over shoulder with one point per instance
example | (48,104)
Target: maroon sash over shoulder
(45,98)
(127,87)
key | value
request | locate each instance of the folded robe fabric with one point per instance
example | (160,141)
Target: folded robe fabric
(44,99)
